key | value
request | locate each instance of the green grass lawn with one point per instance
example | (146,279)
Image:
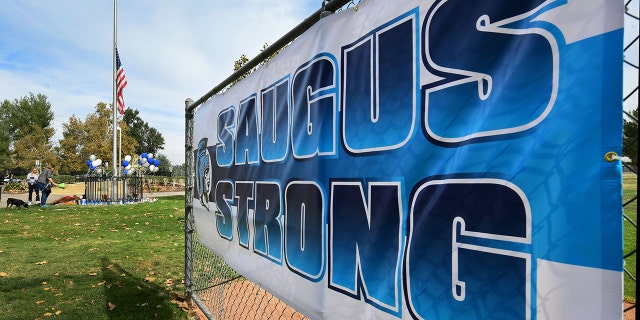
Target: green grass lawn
(630,190)
(93,262)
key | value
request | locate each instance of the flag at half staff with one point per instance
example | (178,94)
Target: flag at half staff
(121,82)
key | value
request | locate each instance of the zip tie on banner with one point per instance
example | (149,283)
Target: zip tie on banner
(612,156)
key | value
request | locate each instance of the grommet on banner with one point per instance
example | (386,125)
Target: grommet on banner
(611,156)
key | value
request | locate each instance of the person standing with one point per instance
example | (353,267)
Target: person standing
(44,183)
(31,181)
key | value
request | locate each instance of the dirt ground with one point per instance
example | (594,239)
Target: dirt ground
(77,189)
(245,300)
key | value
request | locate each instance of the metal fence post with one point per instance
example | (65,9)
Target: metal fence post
(188,200)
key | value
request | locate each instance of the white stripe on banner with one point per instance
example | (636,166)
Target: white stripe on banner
(572,292)
(589,18)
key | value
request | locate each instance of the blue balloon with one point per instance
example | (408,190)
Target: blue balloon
(156,162)
(143,155)
(125,171)
(125,163)
(93,168)
(140,161)
(89,163)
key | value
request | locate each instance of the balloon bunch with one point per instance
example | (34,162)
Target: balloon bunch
(94,164)
(128,168)
(145,163)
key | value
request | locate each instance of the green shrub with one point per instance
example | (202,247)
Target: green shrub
(14,186)
(64,178)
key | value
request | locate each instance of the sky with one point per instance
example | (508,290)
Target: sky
(170,51)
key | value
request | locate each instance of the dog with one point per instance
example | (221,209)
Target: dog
(16,202)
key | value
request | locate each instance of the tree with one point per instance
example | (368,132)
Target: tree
(178,170)
(5,152)
(149,139)
(94,136)
(25,131)
(165,165)
(630,138)
(34,144)
(243,60)
(26,113)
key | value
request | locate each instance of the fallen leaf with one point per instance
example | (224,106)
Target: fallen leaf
(182,304)
(3,275)
(41,262)
(111,306)
(93,274)
(58,312)
(39,302)
(149,279)
(48,314)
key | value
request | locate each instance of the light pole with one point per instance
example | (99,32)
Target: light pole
(119,149)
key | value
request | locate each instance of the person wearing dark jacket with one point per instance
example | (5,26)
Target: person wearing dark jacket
(44,182)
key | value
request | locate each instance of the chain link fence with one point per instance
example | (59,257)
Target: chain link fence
(630,146)
(221,293)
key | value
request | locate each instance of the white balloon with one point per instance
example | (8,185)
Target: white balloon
(151,167)
(127,158)
(144,163)
(132,170)
(92,157)
(99,171)
(144,160)
(156,169)
(128,167)
(150,155)
(98,162)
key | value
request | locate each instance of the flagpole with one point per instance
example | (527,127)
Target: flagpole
(113,104)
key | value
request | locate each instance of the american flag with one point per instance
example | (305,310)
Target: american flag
(121,82)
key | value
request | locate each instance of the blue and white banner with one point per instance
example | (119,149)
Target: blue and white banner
(436,159)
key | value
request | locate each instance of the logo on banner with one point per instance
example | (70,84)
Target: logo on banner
(203,168)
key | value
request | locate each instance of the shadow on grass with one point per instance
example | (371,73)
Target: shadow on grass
(130,297)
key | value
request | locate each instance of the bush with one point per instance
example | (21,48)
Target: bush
(64,178)
(14,187)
